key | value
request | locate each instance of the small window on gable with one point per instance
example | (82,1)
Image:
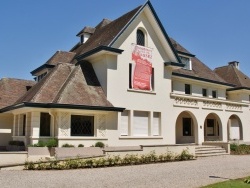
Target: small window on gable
(187,89)
(204,92)
(140,38)
(214,94)
(187,62)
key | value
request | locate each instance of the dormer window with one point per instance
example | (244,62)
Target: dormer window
(187,62)
(140,38)
(40,77)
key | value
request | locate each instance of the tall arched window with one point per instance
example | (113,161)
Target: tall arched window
(140,37)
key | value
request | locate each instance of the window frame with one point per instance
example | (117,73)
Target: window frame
(44,125)
(214,92)
(204,89)
(140,33)
(188,91)
(92,134)
(187,126)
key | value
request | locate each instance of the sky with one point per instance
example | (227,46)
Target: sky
(216,31)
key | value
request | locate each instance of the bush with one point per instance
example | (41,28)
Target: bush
(16,143)
(241,149)
(233,147)
(40,144)
(68,145)
(52,143)
(80,145)
(99,144)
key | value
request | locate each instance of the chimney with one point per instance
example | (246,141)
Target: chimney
(236,64)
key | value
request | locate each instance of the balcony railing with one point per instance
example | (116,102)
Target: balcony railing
(190,101)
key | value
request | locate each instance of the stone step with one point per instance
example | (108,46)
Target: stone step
(210,154)
(214,151)
(207,151)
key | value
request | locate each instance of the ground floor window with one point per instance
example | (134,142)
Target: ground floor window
(187,126)
(82,125)
(45,124)
(24,125)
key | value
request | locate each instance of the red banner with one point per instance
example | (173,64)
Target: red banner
(142,67)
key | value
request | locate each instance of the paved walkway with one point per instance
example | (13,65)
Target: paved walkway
(177,174)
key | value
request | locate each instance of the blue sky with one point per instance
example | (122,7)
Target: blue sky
(216,31)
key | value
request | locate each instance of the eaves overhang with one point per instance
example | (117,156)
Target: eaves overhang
(186,54)
(238,88)
(174,64)
(97,50)
(41,68)
(65,106)
(202,79)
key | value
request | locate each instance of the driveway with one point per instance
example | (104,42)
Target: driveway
(195,173)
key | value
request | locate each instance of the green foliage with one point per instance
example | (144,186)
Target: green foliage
(129,159)
(68,145)
(16,143)
(52,143)
(241,149)
(80,145)
(99,144)
(247,181)
(40,144)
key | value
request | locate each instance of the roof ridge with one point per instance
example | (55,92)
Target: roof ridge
(64,85)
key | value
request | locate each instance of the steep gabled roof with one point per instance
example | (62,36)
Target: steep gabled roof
(199,70)
(234,76)
(105,33)
(12,89)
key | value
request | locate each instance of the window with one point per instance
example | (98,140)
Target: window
(187,126)
(24,124)
(187,89)
(140,123)
(140,38)
(214,94)
(124,122)
(210,127)
(38,78)
(156,124)
(82,125)
(204,92)
(45,124)
(187,62)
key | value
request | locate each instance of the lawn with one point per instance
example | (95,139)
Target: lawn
(238,183)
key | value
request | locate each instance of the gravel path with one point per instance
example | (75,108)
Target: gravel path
(195,173)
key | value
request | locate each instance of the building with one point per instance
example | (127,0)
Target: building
(127,83)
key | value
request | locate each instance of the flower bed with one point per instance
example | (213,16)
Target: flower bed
(108,161)
(241,149)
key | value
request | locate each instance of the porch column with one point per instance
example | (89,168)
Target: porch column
(200,132)
(35,127)
(224,131)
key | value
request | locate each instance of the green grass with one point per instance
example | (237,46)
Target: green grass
(238,183)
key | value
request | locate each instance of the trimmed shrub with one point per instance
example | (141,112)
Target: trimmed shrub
(16,143)
(68,145)
(52,143)
(99,144)
(80,146)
